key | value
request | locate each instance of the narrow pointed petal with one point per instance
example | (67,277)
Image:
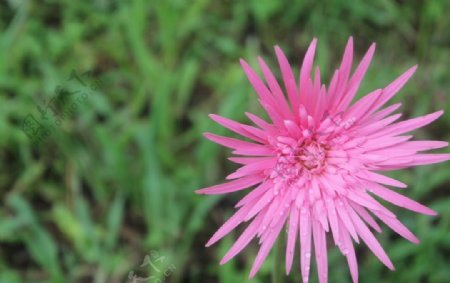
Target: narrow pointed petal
(275,89)
(255,194)
(372,176)
(260,122)
(349,252)
(345,218)
(305,244)
(409,125)
(262,203)
(377,126)
(235,143)
(423,159)
(362,106)
(288,78)
(253,168)
(292,236)
(371,116)
(266,98)
(347,59)
(366,216)
(400,200)
(305,71)
(265,248)
(371,241)
(334,223)
(384,142)
(398,227)
(321,252)
(233,186)
(244,239)
(249,160)
(394,87)
(424,145)
(357,77)
(342,78)
(229,225)
(256,82)
(238,128)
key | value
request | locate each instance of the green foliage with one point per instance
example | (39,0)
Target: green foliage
(115,179)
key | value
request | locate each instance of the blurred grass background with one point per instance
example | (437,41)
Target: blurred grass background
(114,181)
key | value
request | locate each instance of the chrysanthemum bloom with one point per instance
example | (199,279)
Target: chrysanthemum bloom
(314,166)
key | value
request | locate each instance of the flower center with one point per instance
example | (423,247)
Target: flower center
(311,156)
(298,159)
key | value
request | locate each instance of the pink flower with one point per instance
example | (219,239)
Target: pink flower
(314,166)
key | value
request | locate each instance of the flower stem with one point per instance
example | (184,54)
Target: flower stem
(277,272)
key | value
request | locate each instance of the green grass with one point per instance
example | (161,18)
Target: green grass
(115,180)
